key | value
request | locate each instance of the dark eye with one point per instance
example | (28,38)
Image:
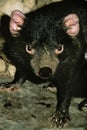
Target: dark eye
(30,50)
(59,49)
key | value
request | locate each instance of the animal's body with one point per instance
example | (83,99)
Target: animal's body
(50,46)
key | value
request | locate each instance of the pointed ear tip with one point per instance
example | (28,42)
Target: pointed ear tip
(71,16)
(18,12)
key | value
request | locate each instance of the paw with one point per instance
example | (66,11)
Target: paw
(83,105)
(7,87)
(59,119)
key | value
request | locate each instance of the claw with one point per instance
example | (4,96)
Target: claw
(59,119)
(83,105)
(8,87)
(4,85)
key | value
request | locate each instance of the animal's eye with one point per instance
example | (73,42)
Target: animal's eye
(59,49)
(30,50)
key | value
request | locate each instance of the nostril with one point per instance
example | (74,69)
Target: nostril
(45,72)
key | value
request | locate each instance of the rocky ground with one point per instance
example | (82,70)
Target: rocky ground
(30,106)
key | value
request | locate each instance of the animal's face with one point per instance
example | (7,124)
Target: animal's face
(46,39)
(46,48)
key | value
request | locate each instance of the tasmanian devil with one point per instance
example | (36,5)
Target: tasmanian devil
(49,44)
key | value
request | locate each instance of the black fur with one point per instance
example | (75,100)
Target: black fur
(44,27)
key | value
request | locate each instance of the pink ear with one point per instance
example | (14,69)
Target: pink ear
(71,22)
(16,22)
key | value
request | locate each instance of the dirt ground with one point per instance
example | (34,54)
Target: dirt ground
(30,106)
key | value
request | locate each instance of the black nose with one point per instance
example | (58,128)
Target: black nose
(45,72)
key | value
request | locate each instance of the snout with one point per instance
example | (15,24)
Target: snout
(45,72)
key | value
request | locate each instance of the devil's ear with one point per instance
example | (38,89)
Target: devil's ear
(16,22)
(71,23)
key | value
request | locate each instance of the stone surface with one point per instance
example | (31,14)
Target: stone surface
(2,66)
(11,70)
(30,106)
(7,6)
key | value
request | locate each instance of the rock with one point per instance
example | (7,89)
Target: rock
(11,70)
(81,128)
(7,6)
(39,3)
(31,105)
(2,66)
